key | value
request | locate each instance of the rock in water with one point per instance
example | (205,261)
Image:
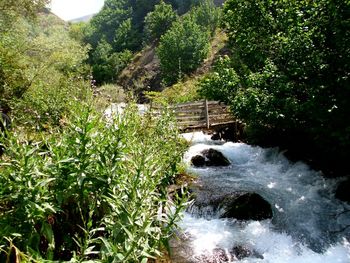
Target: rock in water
(217,255)
(210,157)
(215,158)
(198,161)
(249,206)
(241,252)
(343,191)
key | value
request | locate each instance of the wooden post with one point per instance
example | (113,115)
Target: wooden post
(207,114)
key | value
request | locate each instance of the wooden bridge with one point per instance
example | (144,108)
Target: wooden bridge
(201,114)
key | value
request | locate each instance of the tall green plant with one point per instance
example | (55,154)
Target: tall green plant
(98,191)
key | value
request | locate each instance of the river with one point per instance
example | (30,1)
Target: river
(309,224)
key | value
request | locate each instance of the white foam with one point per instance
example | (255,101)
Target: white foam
(196,137)
(206,235)
(309,224)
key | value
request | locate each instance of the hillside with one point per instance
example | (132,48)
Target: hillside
(143,72)
(82,19)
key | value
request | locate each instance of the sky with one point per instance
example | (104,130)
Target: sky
(70,9)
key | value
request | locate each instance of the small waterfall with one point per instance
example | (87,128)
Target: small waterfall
(309,225)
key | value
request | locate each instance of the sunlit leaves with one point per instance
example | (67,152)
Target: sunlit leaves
(182,49)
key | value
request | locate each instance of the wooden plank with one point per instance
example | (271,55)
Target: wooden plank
(221,116)
(207,114)
(222,123)
(184,118)
(192,123)
(222,120)
(214,102)
(187,111)
(197,103)
(217,112)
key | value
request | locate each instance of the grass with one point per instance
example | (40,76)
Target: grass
(95,192)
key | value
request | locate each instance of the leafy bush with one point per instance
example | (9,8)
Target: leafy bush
(95,192)
(222,84)
(291,58)
(106,64)
(207,15)
(159,21)
(182,49)
(42,71)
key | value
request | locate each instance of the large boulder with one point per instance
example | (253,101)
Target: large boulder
(235,205)
(198,161)
(248,206)
(210,157)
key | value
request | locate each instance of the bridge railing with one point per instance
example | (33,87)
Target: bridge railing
(201,114)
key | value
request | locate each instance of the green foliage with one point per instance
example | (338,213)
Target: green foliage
(11,10)
(207,15)
(120,23)
(79,31)
(97,191)
(41,70)
(159,21)
(222,84)
(182,49)
(183,91)
(292,59)
(183,6)
(105,24)
(118,29)
(106,63)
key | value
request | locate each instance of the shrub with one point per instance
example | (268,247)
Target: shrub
(96,191)
(107,64)
(222,84)
(42,71)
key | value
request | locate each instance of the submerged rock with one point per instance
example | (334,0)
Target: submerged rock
(249,206)
(210,157)
(217,255)
(198,161)
(343,191)
(241,252)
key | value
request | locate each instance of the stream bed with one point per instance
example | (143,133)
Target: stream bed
(309,224)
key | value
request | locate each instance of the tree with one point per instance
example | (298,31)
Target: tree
(107,63)
(108,21)
(159,21)
(207,15)
(294,69)
(182,49)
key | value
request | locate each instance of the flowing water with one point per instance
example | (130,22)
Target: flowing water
(309,224)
